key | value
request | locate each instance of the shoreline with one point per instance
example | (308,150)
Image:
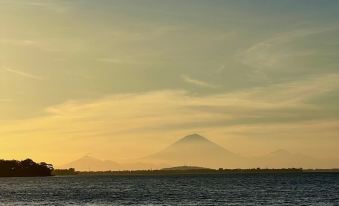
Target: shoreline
(195,172)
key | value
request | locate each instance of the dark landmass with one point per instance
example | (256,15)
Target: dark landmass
(60,172)
(29,168)
(193,172)
(185,168)
(25,168)
(188,170)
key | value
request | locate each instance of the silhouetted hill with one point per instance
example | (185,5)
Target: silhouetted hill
(25,168)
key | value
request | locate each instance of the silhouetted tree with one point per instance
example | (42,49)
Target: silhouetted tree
(25,168)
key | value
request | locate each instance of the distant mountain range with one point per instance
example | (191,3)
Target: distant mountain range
(199,151)
(88,163)
(194,150)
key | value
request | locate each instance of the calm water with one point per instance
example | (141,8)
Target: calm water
(235,189)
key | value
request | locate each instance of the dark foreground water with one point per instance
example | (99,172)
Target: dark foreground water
(232,189)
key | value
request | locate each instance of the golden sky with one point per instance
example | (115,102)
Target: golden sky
(123,79)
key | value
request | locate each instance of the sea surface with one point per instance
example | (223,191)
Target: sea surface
(229,189)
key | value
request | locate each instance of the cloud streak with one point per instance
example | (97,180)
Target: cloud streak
(23,74)
(57,6)
(197,82)
(270,53)
(161,108)
(19,42)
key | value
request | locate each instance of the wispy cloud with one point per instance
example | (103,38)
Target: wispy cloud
(121,120)
(110,60)
(197,82)
(19,42)
(23,74)
(42,45)
(270,53)
(57,6)
(127,60)
(162,109)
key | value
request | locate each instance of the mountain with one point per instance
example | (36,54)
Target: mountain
(190,150)
(88,163)
(195,150)
(199,151)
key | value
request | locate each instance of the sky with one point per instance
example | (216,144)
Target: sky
(124,79)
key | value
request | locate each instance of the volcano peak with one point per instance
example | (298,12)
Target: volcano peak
(193,138)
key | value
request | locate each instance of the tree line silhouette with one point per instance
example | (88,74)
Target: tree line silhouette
(25,168)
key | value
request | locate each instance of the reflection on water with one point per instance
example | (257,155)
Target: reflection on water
(230,189)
